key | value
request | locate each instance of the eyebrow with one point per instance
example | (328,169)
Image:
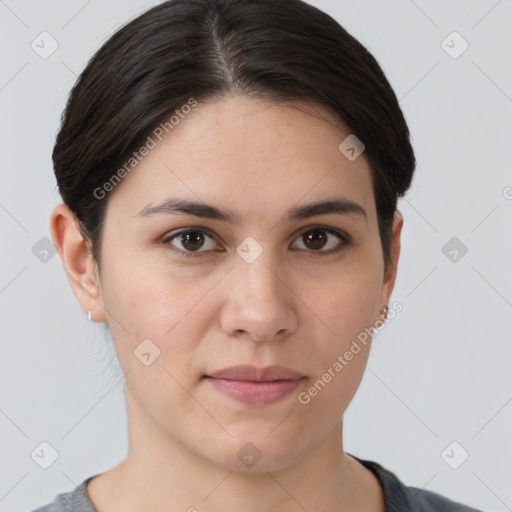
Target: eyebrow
(176,206)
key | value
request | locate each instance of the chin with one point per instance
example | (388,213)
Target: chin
(252,453)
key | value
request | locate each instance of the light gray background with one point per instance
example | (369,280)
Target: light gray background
(438,373)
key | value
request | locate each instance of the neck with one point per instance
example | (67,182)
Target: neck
(160,474)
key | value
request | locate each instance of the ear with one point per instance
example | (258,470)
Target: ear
(77,260)
(391,272)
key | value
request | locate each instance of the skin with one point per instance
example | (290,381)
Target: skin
(291,306)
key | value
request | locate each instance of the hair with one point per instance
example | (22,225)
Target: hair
(277,50)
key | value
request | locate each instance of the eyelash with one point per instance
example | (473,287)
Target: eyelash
(344,238)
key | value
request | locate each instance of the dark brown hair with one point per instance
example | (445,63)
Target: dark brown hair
(280,50)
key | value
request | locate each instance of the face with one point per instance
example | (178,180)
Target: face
(187,294)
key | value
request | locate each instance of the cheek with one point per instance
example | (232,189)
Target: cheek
(344,304)
(151,300)
(328,395)
(159,316)
(340,354)
(341,336)
(152,318)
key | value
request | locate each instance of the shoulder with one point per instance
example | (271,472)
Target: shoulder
(74,501)
(428,501)
(62,503)
(51,507)
(401,498)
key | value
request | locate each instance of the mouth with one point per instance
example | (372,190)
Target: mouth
(256,386)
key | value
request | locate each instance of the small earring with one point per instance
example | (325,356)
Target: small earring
(89,315)
(385,312)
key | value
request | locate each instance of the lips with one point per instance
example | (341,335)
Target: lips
(256,386)
(252,373)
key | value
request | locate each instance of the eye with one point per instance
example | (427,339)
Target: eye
(191,240)
(316,238)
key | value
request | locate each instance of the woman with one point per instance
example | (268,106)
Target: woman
(230,172)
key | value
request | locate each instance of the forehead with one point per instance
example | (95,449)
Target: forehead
(257,156)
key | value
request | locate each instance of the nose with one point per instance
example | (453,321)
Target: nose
(259,302)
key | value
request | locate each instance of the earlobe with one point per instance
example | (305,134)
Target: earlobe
(77,260)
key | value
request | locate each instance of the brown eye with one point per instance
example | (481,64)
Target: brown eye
(191,241)
(316,239)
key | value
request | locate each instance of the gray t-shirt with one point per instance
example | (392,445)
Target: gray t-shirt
(397,496)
